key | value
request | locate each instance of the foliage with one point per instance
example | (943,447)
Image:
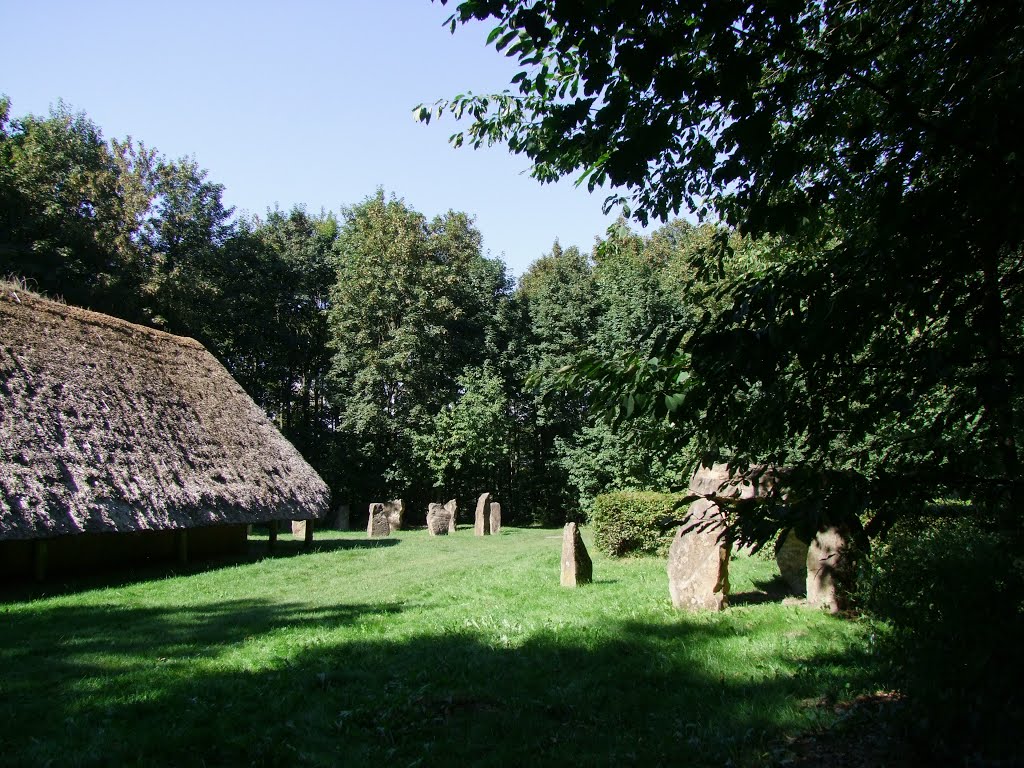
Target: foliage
(877,335)
(411,309)
(952,593)
(469,445)
(301,657)
(634,522)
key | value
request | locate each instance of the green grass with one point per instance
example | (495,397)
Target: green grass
(414,651)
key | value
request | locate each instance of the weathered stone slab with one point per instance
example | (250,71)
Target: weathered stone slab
(452,507)
(482,521)
(495,518)
(340,519)
(377,525)
(791,557)
(577,567)
(698,562)
(298,529)
(395,510)
(439,520)
(830,569)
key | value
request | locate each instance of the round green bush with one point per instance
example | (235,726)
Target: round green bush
(635,522)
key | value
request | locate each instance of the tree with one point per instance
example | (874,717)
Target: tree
(410,311)
(67,224)
(880,335)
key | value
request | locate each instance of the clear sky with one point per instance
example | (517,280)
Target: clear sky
(303,102)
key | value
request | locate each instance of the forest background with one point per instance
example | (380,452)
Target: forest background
(398,358)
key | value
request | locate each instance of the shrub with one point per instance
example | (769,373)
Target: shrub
(634,522)
(951,594)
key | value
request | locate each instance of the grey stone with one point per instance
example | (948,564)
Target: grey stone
(830,569)
(439,520)
(791,557)
(395,510)
(495,518)
(377,525)
(482,521)
(698,562)
(452,507)
(577,567)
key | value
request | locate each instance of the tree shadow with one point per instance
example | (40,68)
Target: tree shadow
(17,589)
(261,683)
(773,590)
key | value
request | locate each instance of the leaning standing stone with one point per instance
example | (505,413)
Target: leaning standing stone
(439,520)
(577,567)
(453,508)
(495,518)
(829,569)
(378,524)
(396,512)
(791,557)
(482,521)
(698,562)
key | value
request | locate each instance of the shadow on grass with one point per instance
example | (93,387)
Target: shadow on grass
(257,683)
(773,590)
(119,575)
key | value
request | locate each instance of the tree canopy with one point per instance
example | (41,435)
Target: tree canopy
(870,149)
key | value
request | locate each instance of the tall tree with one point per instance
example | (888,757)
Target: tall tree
(408,314)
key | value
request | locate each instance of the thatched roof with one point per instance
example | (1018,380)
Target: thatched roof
(107,426)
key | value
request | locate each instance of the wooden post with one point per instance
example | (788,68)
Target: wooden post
(309,534)
(40,559)
(181,545)
(273,535)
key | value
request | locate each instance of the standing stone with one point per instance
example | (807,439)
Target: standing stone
(452,507)
(791,556)
(378,524)
(577,567)
(298,529)
(698,562)
(829,569)
(439,520)
(495,518)
(482,521)
(341,519)
(395,510)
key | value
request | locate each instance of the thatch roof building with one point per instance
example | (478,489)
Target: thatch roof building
(111,427)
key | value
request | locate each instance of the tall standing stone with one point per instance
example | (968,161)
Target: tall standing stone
(577,567)
(439,520)
(341,519)
(830,569)
(378,525)
(452,506)
(482,521)
(395,510)
(791,557)
(698,560)
(495,518)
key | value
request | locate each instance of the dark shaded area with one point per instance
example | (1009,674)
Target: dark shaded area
(773,590)
(17,589)
(633,695)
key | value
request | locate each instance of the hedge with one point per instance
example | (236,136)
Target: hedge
(635,522)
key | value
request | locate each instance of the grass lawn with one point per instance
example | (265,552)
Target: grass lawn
(413,651)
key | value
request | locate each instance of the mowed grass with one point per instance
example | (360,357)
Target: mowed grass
(414,651)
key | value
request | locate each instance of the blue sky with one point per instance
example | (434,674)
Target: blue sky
(295,103)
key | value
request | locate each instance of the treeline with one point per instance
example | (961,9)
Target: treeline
(398,357)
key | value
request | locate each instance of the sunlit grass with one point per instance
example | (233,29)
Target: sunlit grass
(413,651)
